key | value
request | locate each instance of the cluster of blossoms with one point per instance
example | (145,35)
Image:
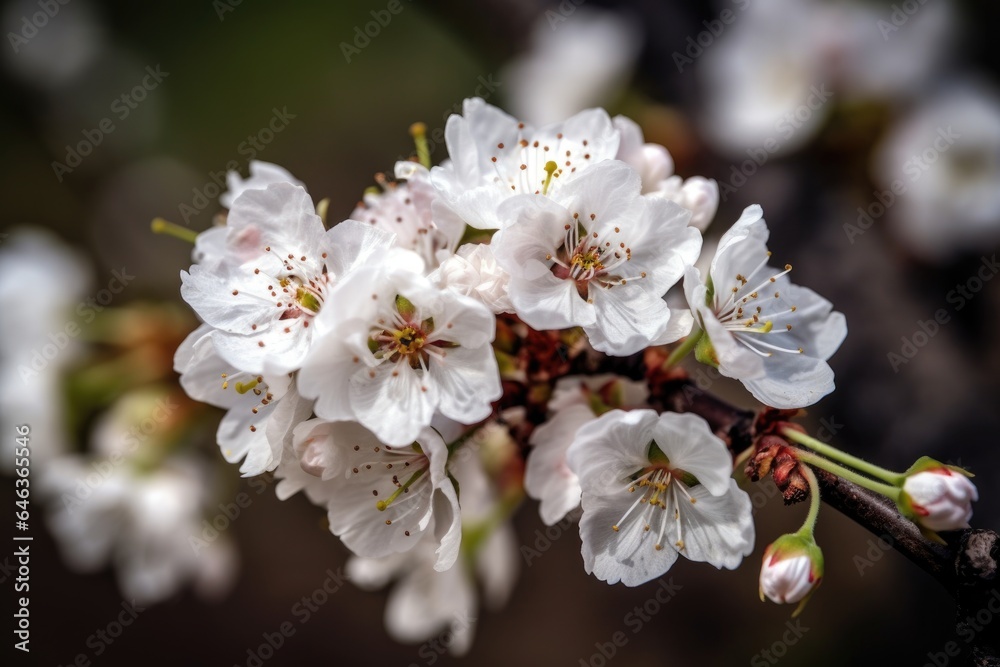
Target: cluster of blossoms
(416,368)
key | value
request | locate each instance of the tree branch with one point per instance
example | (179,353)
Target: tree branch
(967,566)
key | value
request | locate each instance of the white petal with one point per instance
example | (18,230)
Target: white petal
(610,449)
(394,400)
(689,443)
(716,529)
(627,555)
(547,475)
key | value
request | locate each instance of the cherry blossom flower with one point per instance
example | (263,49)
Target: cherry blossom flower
(759,327)
(656,487)
(388,497)
(425,601)
(404,208)
(406,350)
(598,255)
(281,264)
(494,157)
(572,65)
(138,508)
(939,165)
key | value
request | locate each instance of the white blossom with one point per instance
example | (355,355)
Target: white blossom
(405,208)
(572,64)
(940,166)
(493,157)
(43,284)
(383,499)
(263,297)
(791,569)
(574,404)
(656,487)
(762,329)
(598,255)
(133,506)
(399,350)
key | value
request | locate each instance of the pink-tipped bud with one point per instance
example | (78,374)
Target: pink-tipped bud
(792,569)
(939,498)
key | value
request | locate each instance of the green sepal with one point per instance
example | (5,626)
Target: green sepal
(705,353)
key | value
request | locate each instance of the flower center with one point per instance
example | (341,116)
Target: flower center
(585,257)
(409,340)
(753,313)
(659,502)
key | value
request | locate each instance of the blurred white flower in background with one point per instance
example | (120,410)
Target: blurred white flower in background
(137,507)
(944,159)
(46,49)
(42,288)
(769,77)
(579,62)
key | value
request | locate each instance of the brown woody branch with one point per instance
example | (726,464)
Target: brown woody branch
(966,566)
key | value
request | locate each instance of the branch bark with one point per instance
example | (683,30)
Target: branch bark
(966,567)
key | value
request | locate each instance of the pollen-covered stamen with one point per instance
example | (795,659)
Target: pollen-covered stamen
(382,505)
(245,383)
(591,256)
(298,290)
(756,311)
(662,489)
(403,335)
(394,472)
(535,165)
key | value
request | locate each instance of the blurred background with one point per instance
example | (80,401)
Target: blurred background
(869,132)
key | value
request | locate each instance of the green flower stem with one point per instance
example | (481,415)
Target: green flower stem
(830,452)
(886,490)
(161,226)
(684,348)
(809,525)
